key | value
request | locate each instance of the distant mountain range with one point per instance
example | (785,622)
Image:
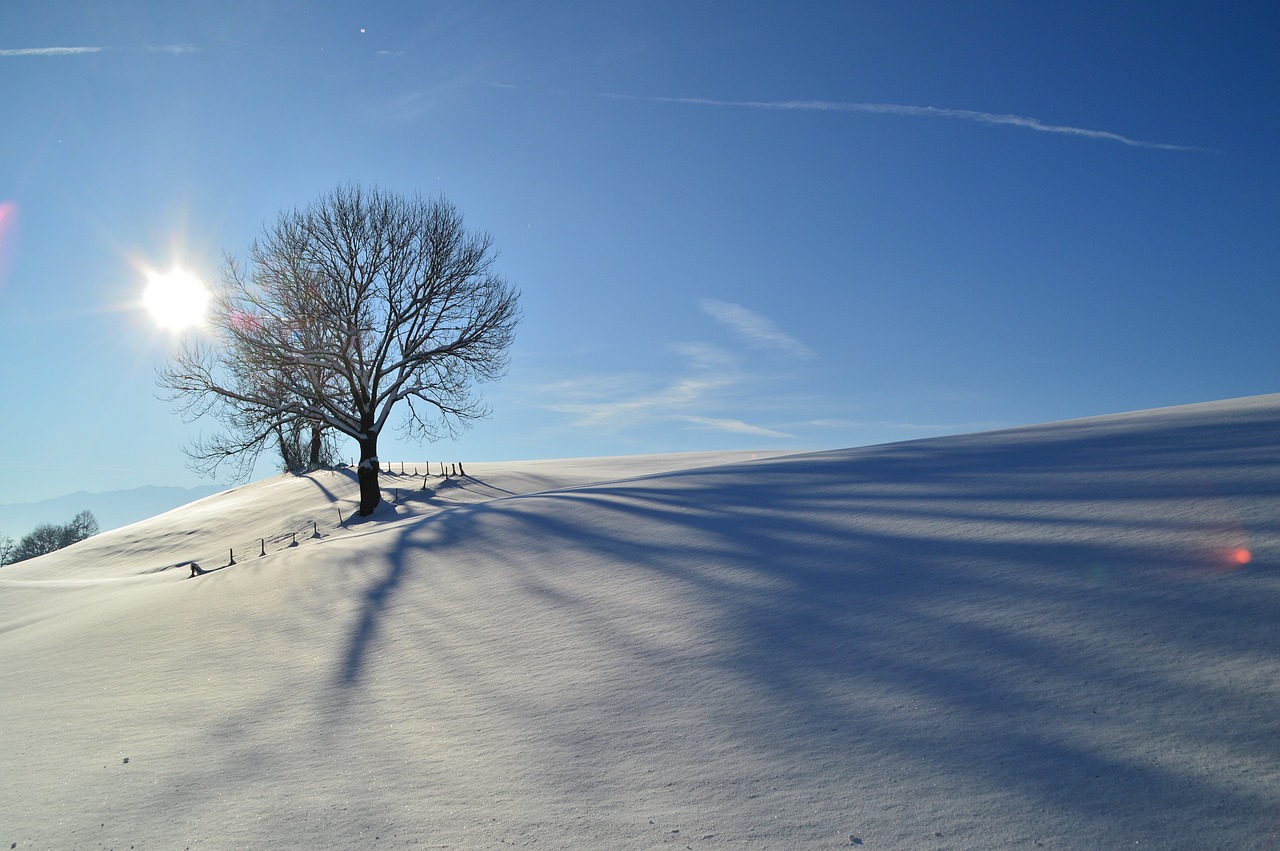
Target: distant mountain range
(113,509)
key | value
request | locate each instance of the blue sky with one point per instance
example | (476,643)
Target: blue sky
(734,225)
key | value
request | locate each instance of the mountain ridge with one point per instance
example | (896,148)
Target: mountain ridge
(113,509)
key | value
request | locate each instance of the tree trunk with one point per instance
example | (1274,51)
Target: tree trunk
(367,473)
(317,441)
(286,457)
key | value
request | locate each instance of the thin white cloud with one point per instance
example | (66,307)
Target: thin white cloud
(49,51)
(174,49)
(996,118)
(412,105)
(631,406)
(625,403)
(753,328)
(705,356)
(734,426)
(711,385)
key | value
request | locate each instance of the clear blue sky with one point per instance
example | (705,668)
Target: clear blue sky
(734,225)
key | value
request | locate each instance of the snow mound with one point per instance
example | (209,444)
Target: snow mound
(1057,636)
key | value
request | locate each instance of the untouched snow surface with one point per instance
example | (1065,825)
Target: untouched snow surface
(1062,636)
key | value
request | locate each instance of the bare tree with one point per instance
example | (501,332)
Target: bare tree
(83,525)
(49,537)
(341,312)
(305,446)
(249,430)
(302,444)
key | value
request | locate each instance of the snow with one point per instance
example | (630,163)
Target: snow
(1039,637)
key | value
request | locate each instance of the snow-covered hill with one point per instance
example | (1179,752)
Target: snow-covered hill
(1058,636)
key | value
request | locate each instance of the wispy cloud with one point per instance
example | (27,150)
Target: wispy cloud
(710,382)
(734,426)
(613,401)
(996,118)
(705,357)
(753,328)
(411,105)
(712,387)
(173,49)
(49,51)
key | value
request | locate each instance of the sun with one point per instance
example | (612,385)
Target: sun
(176,299)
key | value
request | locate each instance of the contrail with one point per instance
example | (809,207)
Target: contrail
(49,51)
(903,109)
(173,49)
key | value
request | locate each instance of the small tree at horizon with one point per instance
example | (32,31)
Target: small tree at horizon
(49,537)
(342,311)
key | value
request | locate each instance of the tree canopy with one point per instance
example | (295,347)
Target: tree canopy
(362,304)
(47,538)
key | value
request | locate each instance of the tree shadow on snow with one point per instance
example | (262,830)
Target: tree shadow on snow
(1059,618)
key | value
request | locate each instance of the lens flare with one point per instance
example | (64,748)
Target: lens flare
(8,220)
(1241,555)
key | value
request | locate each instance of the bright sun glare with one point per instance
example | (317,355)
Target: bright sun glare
(176,299)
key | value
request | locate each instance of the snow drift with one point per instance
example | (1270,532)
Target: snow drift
(1057,636)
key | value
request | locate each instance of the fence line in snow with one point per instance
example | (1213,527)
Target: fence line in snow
(446,471)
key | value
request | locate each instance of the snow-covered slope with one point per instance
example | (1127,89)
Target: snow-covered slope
(1058,636)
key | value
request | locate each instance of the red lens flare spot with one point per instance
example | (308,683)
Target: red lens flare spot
(1241,555)
(8,220)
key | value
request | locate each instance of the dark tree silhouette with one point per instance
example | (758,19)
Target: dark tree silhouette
(341,312)
(305,446)
(51,537)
